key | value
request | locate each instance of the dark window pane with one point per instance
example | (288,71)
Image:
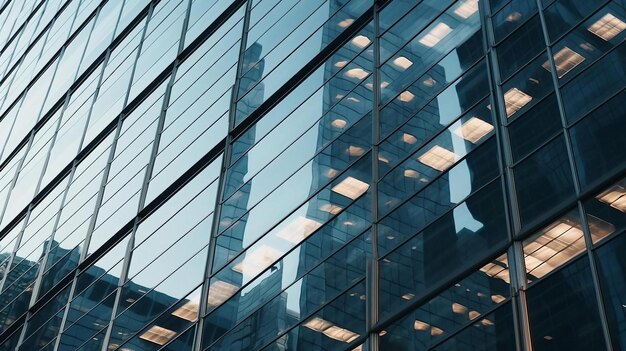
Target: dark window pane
(612,268)
(449,311)
(543,181)
(460,238)
(596,84)
(599,144)
(520,47)
(534,127)
(494,332)
(563,311)
(512,16)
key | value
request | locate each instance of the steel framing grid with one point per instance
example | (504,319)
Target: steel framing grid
(223,147)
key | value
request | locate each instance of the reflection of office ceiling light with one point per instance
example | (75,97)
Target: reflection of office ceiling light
(341,64)
(406,96)
(330,173)
(361,41)
(257,261)
(615,197)
(357,73)
(497,298)
(434,36)
(438,158)
(607,27)
(565,60)
(355,151)
(338,123)
(408,296)
(486,322)
(345,23)
(466,8)
(553,247)
(318,324)
(419,325)
(384,84)
(219,292)
(513,17)
(515,99)
(434,331)
(188,311)
(340,334)
(331,208)
(402,62)
(408,138)
(158,335)
(473,130)
(353,99)
(330,330)
(458,308)
(429,82)
(299,229)
(383,159)
(411,173)
(351,187)
(474,314)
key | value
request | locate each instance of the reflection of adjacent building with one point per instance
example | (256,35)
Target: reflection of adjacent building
(347,109)
(443,246)
(91,313)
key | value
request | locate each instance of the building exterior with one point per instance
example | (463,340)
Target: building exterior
(310,175)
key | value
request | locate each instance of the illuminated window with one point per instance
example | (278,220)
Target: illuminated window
(565,60)
(435,35)
(409,139)
(330,330)
(257,261)
(515,100)
(406,96)
(298,230)
(361,41)
(466,8)
(219,292)
(615,197)
(357,73)
(158,335)
(473,130)
(553,246)
(438,158)
(402,62)
(498,269)
(346,23)
(188,311)
(351,188)
(607,27)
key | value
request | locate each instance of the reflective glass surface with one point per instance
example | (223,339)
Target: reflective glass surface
(284,175)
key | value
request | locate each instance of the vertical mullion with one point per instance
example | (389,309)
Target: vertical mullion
(373,273)
(129,246)
(505,160)
(161,123)
(226,155)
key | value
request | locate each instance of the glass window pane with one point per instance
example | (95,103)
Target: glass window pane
(563,311)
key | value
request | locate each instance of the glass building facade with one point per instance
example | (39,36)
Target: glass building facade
(301,175)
